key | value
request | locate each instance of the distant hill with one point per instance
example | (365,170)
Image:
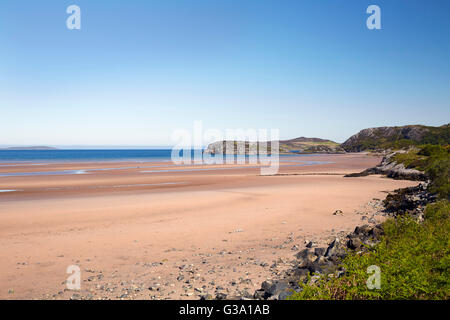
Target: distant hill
(30,148)
(383,138)
(310,145)
(297,145)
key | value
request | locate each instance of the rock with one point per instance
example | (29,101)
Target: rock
(393,170)
(376,231)
(311,244)
(305,256)
(221,296)
(259,294)
(322,266)
(284,295)
(266,285)
(273,288)
(320,251)
(206,297)
(362,230)
(335,249)
(338,213)
(354,243)
(245,294)
(301,272)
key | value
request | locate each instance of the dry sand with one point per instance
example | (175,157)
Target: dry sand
(172,234)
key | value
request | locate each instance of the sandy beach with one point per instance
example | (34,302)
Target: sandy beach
(152,230)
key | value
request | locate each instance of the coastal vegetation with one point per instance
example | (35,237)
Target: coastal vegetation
(412,255)
(413,259)
(434,160)
(383,138)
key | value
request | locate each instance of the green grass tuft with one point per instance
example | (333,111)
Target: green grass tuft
(413,259)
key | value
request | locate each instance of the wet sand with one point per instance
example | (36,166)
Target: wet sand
(151,230)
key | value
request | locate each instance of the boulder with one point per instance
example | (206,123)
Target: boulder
(376,231)
(305,256)
(335,248)
(320,251)
(354,243)
(311,244)
(301,273)
(362,230)
(259,294)
(221,296)
(272,289)
(322,265)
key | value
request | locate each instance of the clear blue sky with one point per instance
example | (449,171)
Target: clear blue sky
(137,70)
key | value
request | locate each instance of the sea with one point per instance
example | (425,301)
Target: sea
(11,158)
(89,155)
(85,155)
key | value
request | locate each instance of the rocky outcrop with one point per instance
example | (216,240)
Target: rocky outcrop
(382,138)
(411,201)
(393,170)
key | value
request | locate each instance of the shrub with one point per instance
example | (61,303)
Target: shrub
(413,258)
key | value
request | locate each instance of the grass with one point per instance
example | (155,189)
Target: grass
(411,159)
(413,257)
(311,143)
(435,161)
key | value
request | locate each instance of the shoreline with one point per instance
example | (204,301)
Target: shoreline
(228,228)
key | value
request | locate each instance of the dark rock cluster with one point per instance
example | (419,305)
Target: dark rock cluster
(319,261)
(411,201)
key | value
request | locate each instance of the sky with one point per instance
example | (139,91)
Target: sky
(137,71)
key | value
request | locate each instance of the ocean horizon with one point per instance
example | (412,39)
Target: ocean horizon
(85,155)
(67,155)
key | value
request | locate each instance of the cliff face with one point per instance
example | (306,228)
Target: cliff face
(298,145)
(396,137)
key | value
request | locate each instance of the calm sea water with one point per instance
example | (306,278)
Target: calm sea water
(84,155)
(40,156)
